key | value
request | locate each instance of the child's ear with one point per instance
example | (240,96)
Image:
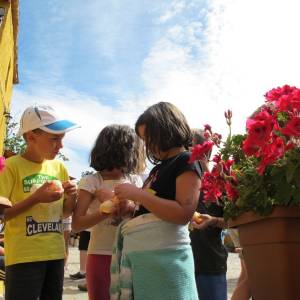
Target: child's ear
(30,136)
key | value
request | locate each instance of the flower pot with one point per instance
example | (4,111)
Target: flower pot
(271,249)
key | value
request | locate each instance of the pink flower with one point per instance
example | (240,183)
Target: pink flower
(2,163)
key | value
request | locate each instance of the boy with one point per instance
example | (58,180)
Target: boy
(34,241)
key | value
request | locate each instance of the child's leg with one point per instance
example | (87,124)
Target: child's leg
(212,287)
(54,280)
(242,290)
(98,276)
(24,281)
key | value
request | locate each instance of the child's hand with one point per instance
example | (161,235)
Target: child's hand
(126,207)
(70,188)
(46,193)
(127,191)
(104,194)
(202,221)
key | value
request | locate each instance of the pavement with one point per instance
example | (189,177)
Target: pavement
(71,291)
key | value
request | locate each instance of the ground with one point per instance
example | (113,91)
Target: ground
(71,291)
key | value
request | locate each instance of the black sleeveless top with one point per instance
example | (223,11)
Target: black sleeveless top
(162,178)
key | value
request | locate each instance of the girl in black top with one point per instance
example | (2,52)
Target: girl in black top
(175,192)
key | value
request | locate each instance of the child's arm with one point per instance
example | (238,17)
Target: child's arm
(81,220)
(179,211)
(70,188)
(208,220)
(44,194)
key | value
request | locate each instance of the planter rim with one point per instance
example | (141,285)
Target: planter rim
(278,212)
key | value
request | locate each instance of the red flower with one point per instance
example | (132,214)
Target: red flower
(275,94)
(206,135)
(231,191)
(249,148)
(199,152)
(292,128)
(285,98)
(212,187)
(260,127)
(271,153)
(216,158)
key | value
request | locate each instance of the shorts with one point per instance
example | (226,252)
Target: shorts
(84,238)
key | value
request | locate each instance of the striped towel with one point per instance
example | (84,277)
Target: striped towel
(147,263)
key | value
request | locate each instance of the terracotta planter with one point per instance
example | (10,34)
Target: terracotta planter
(271,248)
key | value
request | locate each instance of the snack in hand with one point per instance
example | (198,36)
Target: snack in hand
(56,186)
(151,191)
(115,200)
(197,217)
(4,202)
(106,206)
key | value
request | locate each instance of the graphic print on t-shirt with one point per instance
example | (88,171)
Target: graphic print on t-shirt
(35,180)
(44,217)
(33,227)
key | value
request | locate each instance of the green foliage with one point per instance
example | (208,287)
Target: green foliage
(12,142)
(279,185)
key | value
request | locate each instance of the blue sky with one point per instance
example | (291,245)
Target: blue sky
(103,62)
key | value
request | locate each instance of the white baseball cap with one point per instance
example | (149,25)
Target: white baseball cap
(45,118)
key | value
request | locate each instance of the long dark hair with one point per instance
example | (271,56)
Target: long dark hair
(117,146)
(165,128)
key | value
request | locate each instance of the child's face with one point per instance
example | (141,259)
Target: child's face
(141,133)
(46,145)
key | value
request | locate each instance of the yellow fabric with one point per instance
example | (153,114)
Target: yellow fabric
(36,234)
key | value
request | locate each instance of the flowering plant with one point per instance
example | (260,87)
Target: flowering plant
(260,169)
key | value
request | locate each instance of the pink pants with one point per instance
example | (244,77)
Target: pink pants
(98,276)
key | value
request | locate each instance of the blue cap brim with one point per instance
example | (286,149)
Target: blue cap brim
(60,126)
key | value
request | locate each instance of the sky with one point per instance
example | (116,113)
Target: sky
(105,62)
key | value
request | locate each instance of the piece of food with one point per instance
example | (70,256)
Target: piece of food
(106,207)
(4,202)
(56,186)
(115,200)
(151,191)
(197,217)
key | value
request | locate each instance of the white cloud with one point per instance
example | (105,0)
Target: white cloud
(175,8)
(227,56)
(82,109)
(249,47)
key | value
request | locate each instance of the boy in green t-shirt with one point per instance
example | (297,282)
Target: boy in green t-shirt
(41,194)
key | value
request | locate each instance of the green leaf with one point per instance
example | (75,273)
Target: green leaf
(290,170)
